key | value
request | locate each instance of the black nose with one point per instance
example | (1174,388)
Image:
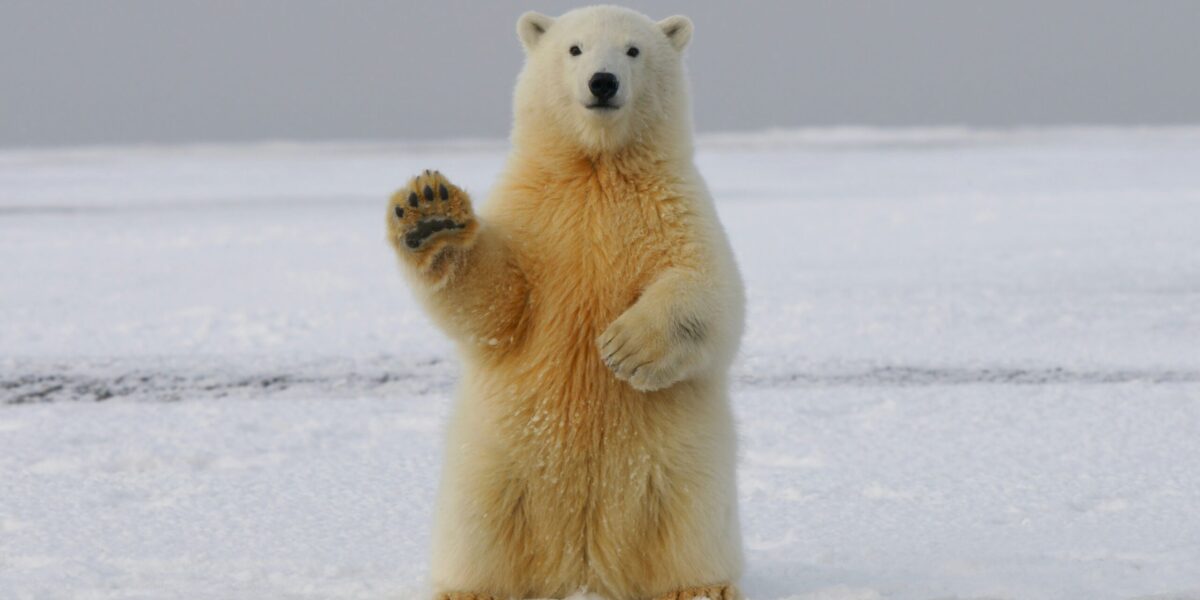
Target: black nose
(603,85)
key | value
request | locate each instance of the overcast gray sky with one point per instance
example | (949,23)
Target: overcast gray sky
(117,71)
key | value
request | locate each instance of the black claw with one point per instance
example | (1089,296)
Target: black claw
(412,199)
(399,212)
(428,194)
(443,192)
(427,172)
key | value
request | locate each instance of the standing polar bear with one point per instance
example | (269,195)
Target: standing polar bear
(597,308)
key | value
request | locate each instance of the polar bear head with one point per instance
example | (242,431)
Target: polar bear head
(602,77)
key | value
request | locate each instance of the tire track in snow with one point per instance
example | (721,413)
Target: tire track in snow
(909,376)
(37,383)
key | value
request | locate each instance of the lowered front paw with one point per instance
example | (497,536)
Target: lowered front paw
(429,213)
(649,355)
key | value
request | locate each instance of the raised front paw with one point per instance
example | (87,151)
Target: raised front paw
(649,351)
(430,212)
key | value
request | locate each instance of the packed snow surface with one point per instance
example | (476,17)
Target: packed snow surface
(971,367)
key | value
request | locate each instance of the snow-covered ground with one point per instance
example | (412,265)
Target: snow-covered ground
(972,367)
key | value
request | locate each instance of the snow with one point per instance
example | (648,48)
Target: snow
(971,369)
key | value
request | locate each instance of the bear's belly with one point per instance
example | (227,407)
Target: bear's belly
(596,471)
(598,487)
(565,405)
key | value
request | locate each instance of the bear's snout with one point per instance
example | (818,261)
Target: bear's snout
(603,86)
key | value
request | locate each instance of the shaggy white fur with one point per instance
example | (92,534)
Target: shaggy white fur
(597,308)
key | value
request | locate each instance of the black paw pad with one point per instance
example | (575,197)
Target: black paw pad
(412,199)
(428,194)
(417,235)
(399,212)
(443,193)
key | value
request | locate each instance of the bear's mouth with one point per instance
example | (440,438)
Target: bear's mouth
(602,106)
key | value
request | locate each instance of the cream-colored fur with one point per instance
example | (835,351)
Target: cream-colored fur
(597,307)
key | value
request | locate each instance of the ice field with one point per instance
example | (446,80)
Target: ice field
(971,367)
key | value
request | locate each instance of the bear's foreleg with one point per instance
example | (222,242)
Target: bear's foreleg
(463,270)
(674,331)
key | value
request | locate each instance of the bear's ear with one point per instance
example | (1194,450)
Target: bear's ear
(678,30)
(531,26)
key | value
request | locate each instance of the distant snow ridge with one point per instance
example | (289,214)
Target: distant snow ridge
(849,136)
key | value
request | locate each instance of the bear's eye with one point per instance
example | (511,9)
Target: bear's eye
(633,51)
(575,51)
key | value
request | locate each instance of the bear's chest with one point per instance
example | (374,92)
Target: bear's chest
(586,265)
(593,259)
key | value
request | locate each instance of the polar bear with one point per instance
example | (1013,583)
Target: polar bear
(597,308)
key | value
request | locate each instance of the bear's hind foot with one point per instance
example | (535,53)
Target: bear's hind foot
(711,592)
(465,596)
(704,592)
